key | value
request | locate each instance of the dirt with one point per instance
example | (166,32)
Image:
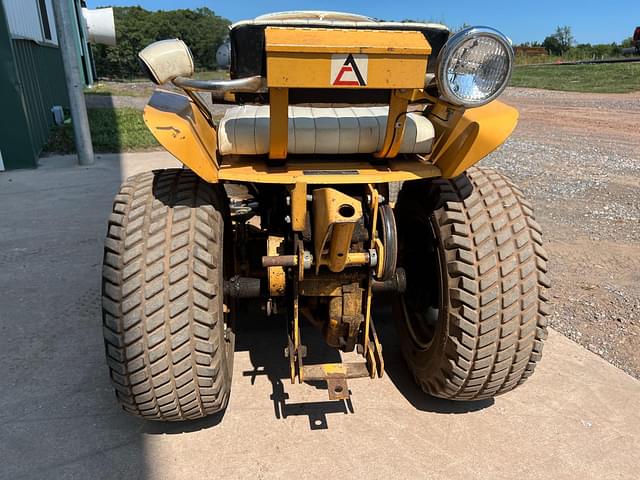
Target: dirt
(577,156)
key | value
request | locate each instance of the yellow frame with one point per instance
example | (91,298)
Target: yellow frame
(183,131)
(462,141)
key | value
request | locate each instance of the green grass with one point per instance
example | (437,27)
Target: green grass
(142,87)
(599,78)
(112,131)
(212,75)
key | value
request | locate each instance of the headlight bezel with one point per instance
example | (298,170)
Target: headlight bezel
(452,45)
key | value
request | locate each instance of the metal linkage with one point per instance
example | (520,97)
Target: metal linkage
(242,287)
(280,261)
(335,216)
(336,375)
(397,283)
(353,259)
(347,293)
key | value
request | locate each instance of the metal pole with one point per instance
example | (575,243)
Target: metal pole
(65,20)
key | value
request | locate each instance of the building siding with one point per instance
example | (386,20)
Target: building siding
(31,82)
(24,20)
(32,78)
(42,81)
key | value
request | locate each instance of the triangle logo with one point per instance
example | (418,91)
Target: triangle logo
(349,70)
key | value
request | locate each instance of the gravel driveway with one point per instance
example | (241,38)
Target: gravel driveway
(577,156)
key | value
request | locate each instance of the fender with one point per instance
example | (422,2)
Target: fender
(183,131)
(180,127)
(477,133)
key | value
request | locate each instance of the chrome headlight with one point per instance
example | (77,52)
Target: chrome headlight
(474,67)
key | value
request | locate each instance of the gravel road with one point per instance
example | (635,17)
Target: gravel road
(577,156)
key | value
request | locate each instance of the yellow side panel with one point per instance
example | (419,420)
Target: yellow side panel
(478,133)
(184,132)
(313,58)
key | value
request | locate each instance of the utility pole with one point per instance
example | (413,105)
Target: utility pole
(64,25)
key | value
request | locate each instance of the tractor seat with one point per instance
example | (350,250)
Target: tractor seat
(244,130)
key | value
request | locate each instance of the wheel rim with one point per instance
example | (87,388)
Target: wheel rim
(422,302)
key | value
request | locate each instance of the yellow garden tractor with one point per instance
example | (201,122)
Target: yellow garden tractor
(291,200)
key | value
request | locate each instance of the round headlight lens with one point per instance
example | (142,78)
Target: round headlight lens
(475,66)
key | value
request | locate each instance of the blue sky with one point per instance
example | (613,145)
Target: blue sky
(592,21)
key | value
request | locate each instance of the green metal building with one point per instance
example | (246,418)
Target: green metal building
(32,79)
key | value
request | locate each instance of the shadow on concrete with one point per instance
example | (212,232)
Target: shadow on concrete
(398,371)
(265,340)
(58,413)
(175,428)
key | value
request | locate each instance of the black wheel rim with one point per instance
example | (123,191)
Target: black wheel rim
(422,302)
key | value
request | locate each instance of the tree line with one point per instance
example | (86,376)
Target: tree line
(561,43)
(201,29)
(204,32)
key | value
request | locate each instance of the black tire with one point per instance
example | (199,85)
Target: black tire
(473,319)
(169,351)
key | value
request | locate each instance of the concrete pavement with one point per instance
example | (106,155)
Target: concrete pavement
(578,417)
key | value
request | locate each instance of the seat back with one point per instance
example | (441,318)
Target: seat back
(244,130)
(347,61)
(248,55)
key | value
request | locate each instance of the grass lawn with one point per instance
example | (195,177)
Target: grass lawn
(117,130)
(598,78)
(212,75)
(142,87)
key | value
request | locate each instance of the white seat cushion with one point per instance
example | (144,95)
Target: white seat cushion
(244,130)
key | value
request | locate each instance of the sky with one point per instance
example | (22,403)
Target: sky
(591,21)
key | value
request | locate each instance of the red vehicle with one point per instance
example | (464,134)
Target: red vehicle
(635,44)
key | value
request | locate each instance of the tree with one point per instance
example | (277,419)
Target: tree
(560,42)
(136,28)
(565,38)
(627,43)
(530,44)
(552,45)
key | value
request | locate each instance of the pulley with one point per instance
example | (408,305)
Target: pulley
(388,236)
